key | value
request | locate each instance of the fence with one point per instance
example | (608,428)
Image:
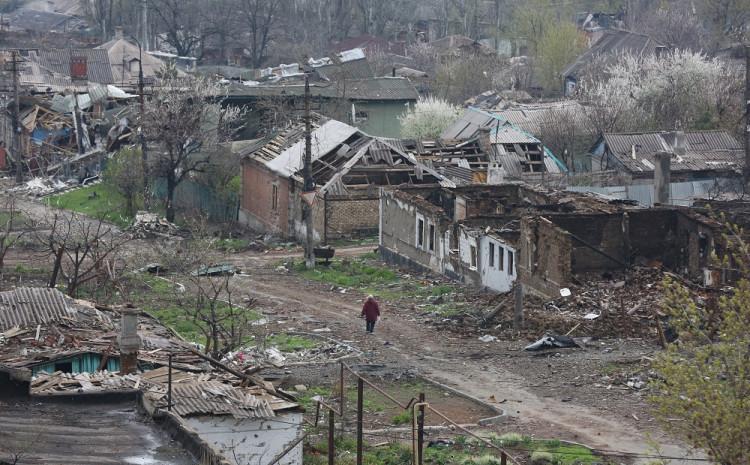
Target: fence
(418,407)
(192,196)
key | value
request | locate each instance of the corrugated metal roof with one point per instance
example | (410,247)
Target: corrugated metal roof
(42,21)
(380,88)
(58,61)
(469,124)
(215,398)
(705,151)
(511,135)
(535,118)
(25,306)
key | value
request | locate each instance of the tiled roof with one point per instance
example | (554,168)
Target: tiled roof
(705,150)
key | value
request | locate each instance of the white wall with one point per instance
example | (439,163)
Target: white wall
(492,277)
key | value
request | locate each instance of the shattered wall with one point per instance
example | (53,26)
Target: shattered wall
(544,262)
(600,231)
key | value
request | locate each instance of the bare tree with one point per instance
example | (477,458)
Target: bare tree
(83,249)
(11,216)
(182,25)
(260,18)
(187,119)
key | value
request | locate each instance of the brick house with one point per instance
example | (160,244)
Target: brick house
(348,167)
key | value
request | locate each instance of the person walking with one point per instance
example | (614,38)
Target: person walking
(370,312)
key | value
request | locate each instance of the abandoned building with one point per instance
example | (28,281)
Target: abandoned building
(509,153)
(347,167)
(493,236)
(608,44)
(697,155)
(60,356)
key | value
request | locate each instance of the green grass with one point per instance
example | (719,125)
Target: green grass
(231,245)
(567,454)
(20,220)
(290,342)
(97,201)
(355,273)
(306,398)
(402,418)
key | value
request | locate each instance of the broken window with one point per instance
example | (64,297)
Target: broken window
(432,238)
(510,262)
(420,233)
(492,255)
(500,258)
(360,116)
(275,197)
(473,258)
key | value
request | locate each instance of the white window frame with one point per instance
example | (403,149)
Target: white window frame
(419,238)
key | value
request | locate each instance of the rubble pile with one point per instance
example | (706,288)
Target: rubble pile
(147,225)
(40,187)
(256,356)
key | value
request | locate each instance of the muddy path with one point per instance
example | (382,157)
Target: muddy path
(464,363)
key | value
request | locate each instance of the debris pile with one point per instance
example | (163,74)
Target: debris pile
(40,187)
(147,225)
(256,356)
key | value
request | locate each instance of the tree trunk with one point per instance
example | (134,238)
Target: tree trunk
(171,186)
(56,267)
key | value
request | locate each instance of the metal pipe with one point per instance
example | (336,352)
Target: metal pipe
(331,425)
(420,427)
(169,384)
(360,414)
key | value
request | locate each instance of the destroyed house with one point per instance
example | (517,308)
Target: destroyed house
(508,153)
(469,233)
(55,349)
(348,166)
(372,104)
(696,155)
(493,236)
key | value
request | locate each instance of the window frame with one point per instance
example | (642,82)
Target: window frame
(274,197)
(491,262)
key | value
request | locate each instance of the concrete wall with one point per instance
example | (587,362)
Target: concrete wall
(493,277)
(382,118)
(256,201)
(244,441)
(398,234)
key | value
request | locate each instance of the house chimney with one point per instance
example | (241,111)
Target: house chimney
(662,166)
(118,32)
(129,340)
(679,144)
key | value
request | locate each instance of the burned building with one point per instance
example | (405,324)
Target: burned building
(347,167)
(493,236)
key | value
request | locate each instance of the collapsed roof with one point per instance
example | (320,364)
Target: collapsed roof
(343,157)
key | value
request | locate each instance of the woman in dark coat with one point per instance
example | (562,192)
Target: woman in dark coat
(370,312)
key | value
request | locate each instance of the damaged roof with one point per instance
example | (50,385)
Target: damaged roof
(375,89)
(58,61)
(704,150)
(341,152)
(26,306)
(613,42)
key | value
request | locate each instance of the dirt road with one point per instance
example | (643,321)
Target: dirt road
(466,364)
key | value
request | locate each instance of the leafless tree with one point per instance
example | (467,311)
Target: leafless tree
(83,249)
(186,118)
(9,236)
(181,22)
(260,18)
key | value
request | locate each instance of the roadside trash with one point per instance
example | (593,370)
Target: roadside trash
(215,270)
(591,316)
(552,341)
(153,268)
(147,225)
(322,330)
(565,292)
(487,338)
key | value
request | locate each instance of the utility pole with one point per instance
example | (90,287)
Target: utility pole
(746,171)
(360,411)
(16,122)
(308,191)
(420,430)
(142,132)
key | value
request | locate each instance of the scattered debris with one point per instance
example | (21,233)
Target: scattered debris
(216,270)
(40,187)
(552,341)
(147,225)
(487,338)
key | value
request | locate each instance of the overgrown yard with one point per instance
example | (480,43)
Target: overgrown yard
(99,201)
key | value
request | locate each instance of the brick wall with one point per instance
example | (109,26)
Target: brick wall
(257,204)
(352,216)
(603,231)
(544,261)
